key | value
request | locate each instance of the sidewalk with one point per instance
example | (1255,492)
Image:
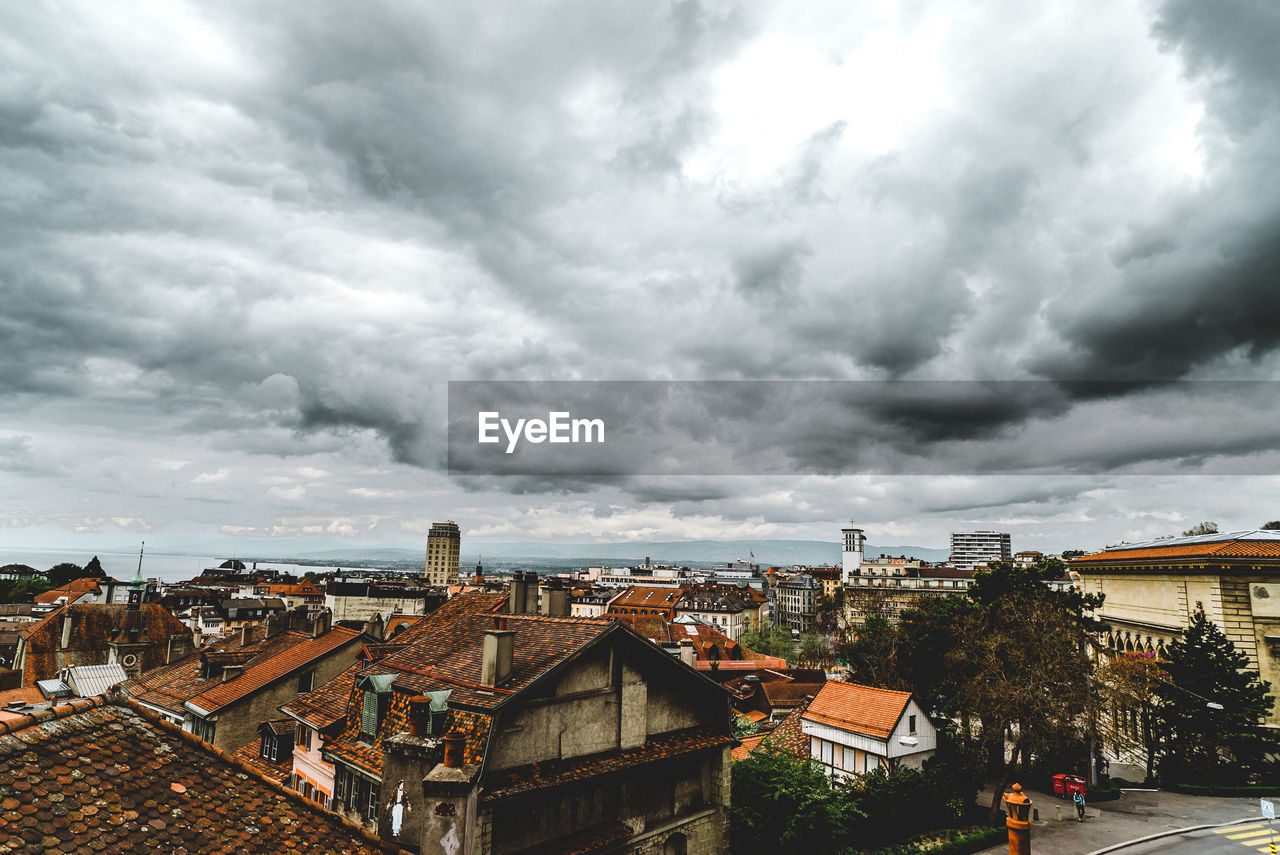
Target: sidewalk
(1135,814)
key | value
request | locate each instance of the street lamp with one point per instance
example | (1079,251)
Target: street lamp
(1018,822)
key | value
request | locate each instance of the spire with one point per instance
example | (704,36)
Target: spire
(137,577)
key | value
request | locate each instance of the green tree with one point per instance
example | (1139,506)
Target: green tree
(872,654)
(1203,528)
(815,651)
(783,805)
(1013,659)
(770,641)
(22,590)
(61,574)
(1127,722)
(1211,710)
(1274,525)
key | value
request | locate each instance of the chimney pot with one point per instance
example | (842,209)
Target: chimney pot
(454,744)
(419,716)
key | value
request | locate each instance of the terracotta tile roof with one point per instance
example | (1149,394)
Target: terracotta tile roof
(265,659)
(251,756)
(518,780)
(92,627)
(709,642)
(72,590)
(447,652)
(789,694)
(396,621)
(351,749)
(113,777)
(1234,548)
(748,745)
(325,704)
(857,708)
(272,668)
(788,737)
(645,597)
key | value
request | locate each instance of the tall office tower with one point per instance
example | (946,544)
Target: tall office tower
(971,548)
(444,542)
(851,563)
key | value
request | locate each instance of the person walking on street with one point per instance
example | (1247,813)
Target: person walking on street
(1078,798)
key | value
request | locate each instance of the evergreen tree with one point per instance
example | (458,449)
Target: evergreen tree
(1211,710)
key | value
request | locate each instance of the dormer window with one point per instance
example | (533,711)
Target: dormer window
(276,747)
(374,701)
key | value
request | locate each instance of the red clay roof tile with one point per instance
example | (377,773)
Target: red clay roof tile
(129,782)
(857,708)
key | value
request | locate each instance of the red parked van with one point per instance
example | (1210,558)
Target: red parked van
(1066,786)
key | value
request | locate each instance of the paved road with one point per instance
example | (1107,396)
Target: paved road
(1243,839)
(1134,815)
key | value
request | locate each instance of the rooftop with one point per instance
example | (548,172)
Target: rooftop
(858,709)
(1255,543)
(112,776)
(264,659)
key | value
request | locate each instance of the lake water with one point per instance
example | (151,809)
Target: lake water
(121,565)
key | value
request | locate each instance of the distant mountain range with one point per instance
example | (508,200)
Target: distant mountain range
(630,552)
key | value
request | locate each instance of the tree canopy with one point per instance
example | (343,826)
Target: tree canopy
(1211,708)
(61,574)
(1011,656)
(1274,525)
(1203,528)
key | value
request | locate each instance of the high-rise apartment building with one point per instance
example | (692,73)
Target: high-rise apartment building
(971,548)
(444,543)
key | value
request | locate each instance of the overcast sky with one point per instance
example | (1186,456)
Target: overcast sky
(244,246)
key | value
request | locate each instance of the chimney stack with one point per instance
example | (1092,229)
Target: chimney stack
(274,624)
(321,624)
(246,634)
(179,646)
(688,655)
(517,599)
(497,657)
(454,744)
(66,627)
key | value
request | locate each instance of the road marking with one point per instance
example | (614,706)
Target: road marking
(1246,836)
(1233,828)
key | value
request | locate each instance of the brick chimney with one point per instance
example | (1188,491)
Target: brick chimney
(497,658)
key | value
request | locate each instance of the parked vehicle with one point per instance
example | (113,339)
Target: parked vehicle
(1065,786)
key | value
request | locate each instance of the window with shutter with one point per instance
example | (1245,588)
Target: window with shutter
(369,713)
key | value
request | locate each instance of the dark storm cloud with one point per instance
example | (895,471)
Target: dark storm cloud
(234,234)
(1199,281)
